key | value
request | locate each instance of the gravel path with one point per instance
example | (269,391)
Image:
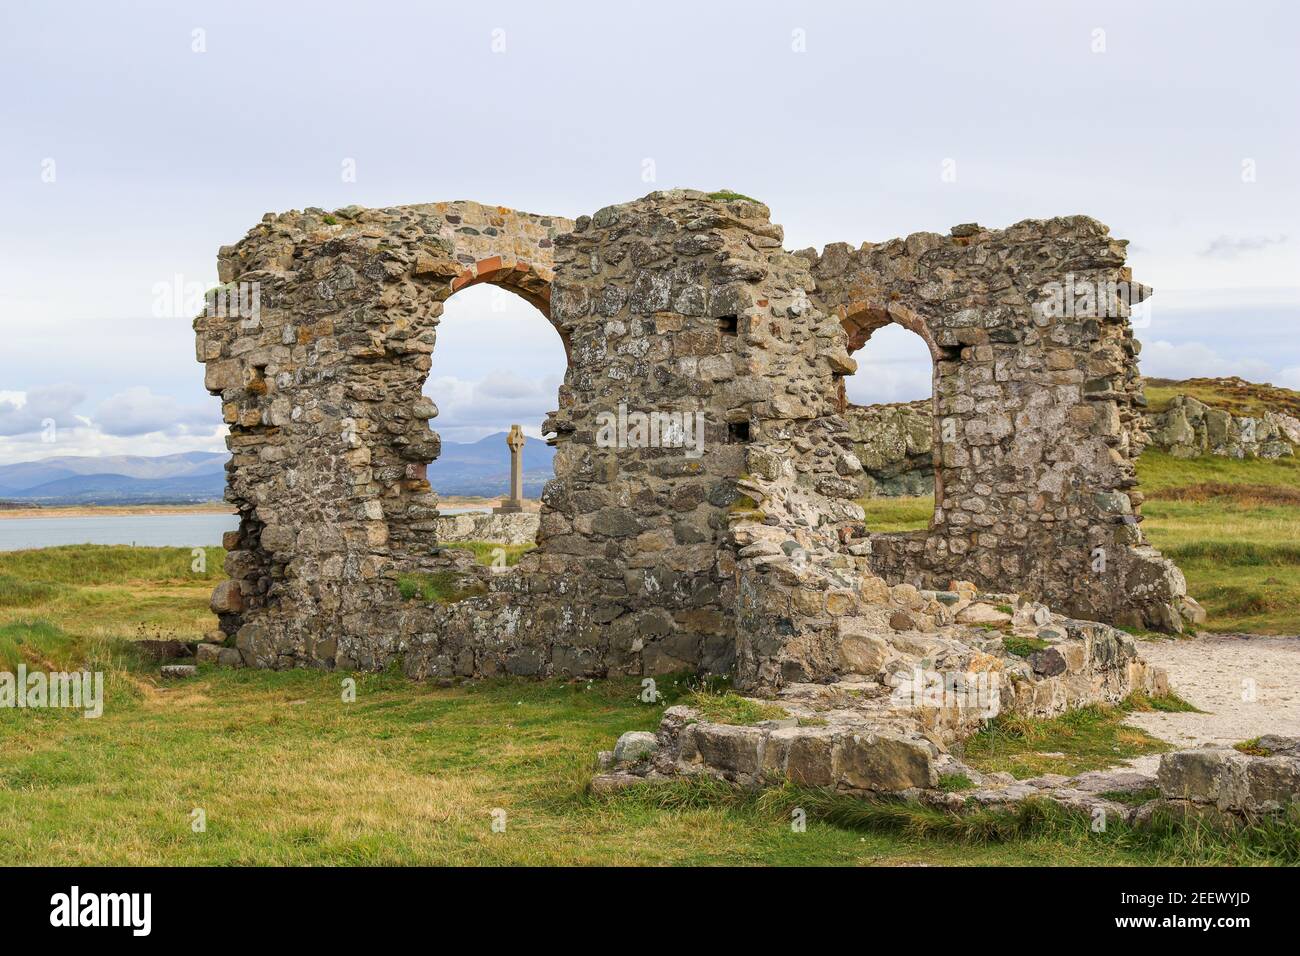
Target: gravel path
(1217,673)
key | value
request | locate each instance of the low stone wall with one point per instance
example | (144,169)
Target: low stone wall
(1221,786)
(1188,428)
(1232,781)
(895,444)
(519,528)
(886,717)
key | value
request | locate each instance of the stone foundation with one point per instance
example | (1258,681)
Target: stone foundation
(888,718)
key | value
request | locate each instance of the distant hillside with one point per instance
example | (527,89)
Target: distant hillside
(483,467)
(476,468)
(1234,395)
(118,479)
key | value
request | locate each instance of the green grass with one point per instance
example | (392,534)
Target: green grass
(1031,829)
(1233,527)
(35,643)
(16,592)
(728,707)
(955,782)
(444,587)
(1253,748)
(288,773)
(887,515)
(726,195)
(1160,472)
(488,552)
(92,564)
(1132,798)
(1167,703)
(1091,738)
(110,591)
(1022,646)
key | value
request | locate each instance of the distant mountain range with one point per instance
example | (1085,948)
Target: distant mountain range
(477,468)
(191,476)
(483,467)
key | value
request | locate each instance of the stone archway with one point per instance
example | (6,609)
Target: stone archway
(863,318)
(330,433)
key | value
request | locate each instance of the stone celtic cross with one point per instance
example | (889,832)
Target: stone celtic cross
(515,442)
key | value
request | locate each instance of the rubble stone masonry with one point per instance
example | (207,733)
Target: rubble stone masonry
(747,554)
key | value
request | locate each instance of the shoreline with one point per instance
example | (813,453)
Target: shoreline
(110,511)
(207,507)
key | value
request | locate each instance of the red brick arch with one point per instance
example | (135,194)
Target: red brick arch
(861,318)
(529,281)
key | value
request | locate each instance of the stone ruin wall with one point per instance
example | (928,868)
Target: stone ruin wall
(751,557)
(1037,414)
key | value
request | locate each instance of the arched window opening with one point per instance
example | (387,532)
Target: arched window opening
(889,406)
(495,375)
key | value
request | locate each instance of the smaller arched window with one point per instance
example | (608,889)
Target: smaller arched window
(889,405)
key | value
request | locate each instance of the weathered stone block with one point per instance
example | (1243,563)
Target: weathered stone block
(883,763)
(729,750)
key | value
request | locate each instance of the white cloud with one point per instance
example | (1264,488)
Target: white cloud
(25,413)
(94,443)
(1227,247)
(138,411)
(894,366)
(135,421)
(470,410)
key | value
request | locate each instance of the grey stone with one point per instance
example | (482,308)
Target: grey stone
(634,747)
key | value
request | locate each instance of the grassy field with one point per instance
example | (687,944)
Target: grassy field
(1232,526)
(286,771)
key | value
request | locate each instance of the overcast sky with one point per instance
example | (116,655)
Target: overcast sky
(137,138)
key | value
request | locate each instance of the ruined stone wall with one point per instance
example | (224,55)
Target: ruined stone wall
(895,442)
(1036,397)
(516,528)
(737,545)
(329,431)
(330,440)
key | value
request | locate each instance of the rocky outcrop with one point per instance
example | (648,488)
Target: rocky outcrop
(1188,428)
(895,444)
